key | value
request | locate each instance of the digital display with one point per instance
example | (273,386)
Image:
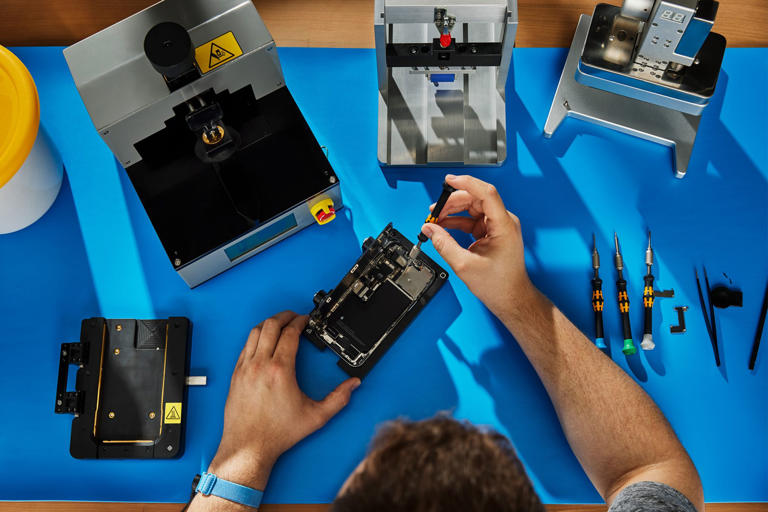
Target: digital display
(669,14)
(260,237)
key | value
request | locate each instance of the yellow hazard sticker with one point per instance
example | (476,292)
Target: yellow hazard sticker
(172,412)
(215,53)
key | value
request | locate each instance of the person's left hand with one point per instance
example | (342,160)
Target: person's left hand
(266,412)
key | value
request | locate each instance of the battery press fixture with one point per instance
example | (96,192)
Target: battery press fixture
(129,398)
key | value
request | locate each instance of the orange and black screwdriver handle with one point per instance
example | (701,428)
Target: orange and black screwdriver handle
(648,304)
(621,288)
(439,205)
(597,307)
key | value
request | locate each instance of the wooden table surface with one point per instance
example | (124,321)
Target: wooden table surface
(175,507)
(337,23)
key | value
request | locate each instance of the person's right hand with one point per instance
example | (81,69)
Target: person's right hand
(493,267)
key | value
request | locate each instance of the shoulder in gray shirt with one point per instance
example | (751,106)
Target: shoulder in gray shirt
(651,497)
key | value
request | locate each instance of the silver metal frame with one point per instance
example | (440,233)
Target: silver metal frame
(628,115)
(459,123)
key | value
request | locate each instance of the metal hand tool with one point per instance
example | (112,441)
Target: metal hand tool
(648,294)
(431,219)
(597,297)
(621,287)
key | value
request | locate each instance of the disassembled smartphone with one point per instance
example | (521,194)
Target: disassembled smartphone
(374,303)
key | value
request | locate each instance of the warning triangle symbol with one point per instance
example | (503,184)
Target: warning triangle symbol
(218,55)
(173,414)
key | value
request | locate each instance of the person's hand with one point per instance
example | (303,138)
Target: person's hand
(266,412)
(493,267)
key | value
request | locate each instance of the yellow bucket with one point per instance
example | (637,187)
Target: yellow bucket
(30,168)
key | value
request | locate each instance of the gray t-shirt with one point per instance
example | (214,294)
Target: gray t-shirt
(651,497)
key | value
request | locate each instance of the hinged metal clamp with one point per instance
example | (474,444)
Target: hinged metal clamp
(70,402)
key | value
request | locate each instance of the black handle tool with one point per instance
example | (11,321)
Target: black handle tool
(621,287)
(647,342)
(597,297)
(431,219)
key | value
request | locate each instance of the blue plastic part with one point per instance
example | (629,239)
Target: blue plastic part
(211,485)
(600,342)
(442,77)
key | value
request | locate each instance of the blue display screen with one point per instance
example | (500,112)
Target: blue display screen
(261,237)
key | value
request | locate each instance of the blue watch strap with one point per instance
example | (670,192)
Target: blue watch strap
(210,484)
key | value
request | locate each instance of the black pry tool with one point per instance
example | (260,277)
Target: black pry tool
(647,342)
(707,321)
(597,297)
(712,316)
(621,288)
(759,333)
(431,219)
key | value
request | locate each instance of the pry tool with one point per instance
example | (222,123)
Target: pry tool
(621,287)
(597,297)
(647,343)
(431,219)
(707,318)
(759,333)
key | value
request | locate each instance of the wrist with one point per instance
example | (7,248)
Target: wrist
(244,468)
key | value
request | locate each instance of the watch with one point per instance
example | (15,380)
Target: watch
(211,485)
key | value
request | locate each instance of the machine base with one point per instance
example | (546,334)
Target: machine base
(620,113)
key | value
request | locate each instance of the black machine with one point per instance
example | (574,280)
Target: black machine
(191,99)
(129,399)
(374,303)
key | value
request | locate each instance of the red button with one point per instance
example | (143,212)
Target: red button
(445,40)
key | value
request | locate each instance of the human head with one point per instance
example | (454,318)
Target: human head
(435,465)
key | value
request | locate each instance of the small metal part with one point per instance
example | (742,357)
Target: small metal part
(595,255)
(213,135)
(119,327)
(664,294)
(649,254)
(169,448)
(151,415)
(196,380)
(617,259)
(680,327)
(117,351)
(111,414)
(414,280)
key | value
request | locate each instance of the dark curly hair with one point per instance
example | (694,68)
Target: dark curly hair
(437,465)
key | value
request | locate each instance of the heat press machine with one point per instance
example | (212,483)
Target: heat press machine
(190,97)
(648,68)
(442,72)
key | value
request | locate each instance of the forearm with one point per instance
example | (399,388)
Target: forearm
(614,428)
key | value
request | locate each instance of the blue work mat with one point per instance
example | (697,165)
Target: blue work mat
(95,254)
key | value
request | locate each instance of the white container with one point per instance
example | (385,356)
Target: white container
(30,167)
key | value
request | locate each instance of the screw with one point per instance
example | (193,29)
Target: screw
(111,414)
(58,402)
(169,448)
(117,351)
(473,49)
(413,50)
(332,179)
(151,415)
(64,352)
(119,327)
(177,262)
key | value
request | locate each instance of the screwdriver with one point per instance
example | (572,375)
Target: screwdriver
(597,297)
(647,343)
(621,288)
(431,219)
